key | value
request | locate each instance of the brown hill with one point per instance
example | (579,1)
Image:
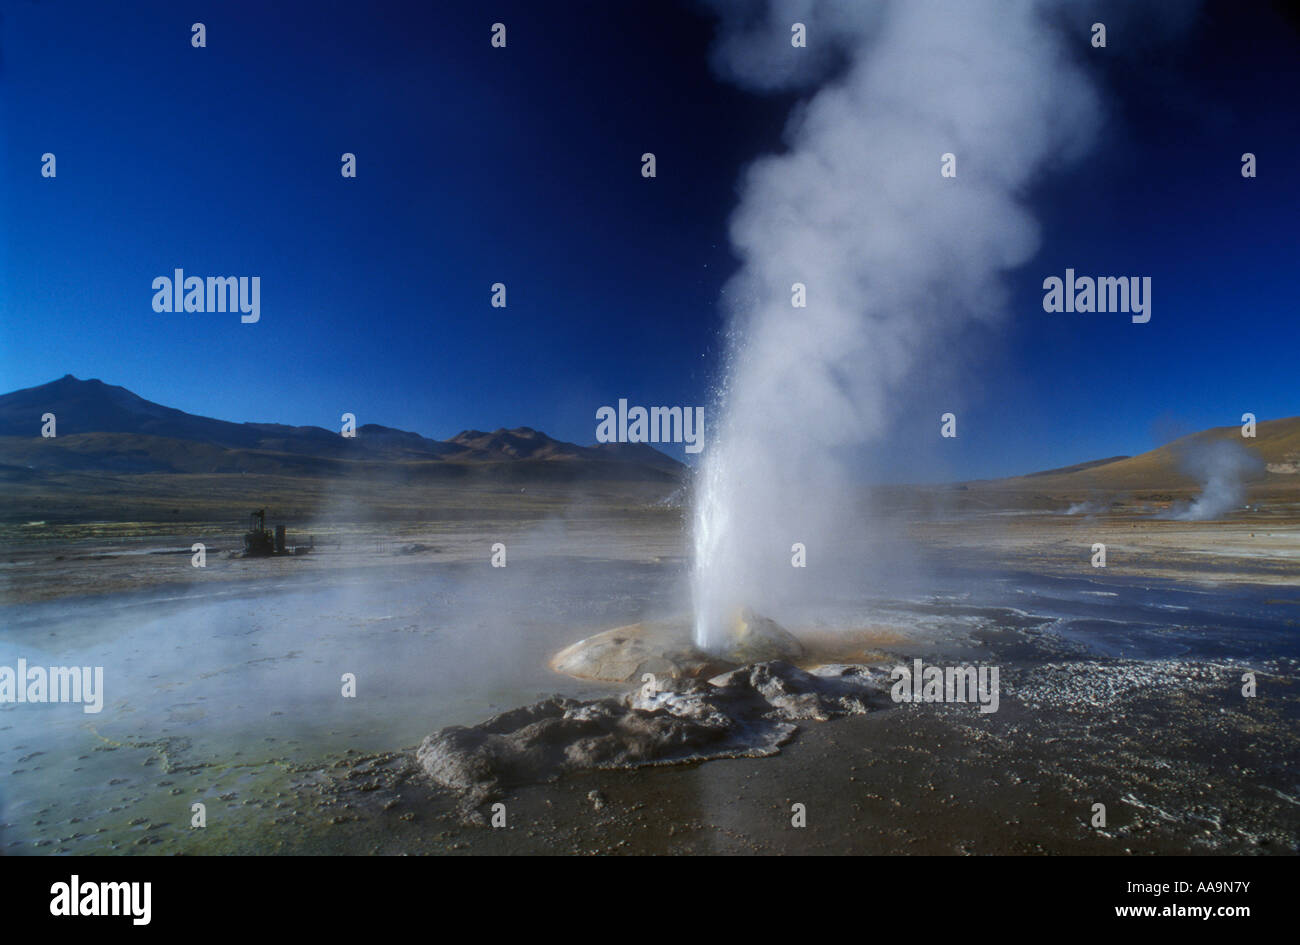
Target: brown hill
(1273,463)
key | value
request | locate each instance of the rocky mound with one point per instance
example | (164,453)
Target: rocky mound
(755,637)
(666,648)
(744,713)
(623,654)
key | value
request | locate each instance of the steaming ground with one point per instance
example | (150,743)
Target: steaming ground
(1120,687)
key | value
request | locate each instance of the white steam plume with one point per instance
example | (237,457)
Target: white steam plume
(896,258)
(1223,469)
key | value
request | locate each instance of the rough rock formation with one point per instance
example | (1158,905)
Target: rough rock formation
(746,712)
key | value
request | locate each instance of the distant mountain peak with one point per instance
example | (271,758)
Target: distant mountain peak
(140,435)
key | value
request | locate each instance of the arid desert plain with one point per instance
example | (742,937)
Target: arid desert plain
(1120,686)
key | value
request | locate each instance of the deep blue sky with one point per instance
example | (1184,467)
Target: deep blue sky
(479,165)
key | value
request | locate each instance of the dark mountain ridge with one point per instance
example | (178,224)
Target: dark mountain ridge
(105,427)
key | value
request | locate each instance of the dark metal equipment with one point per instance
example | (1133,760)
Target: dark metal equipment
(258,542)
(263,542)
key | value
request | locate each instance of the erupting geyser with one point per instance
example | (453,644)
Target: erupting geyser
(893,257)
